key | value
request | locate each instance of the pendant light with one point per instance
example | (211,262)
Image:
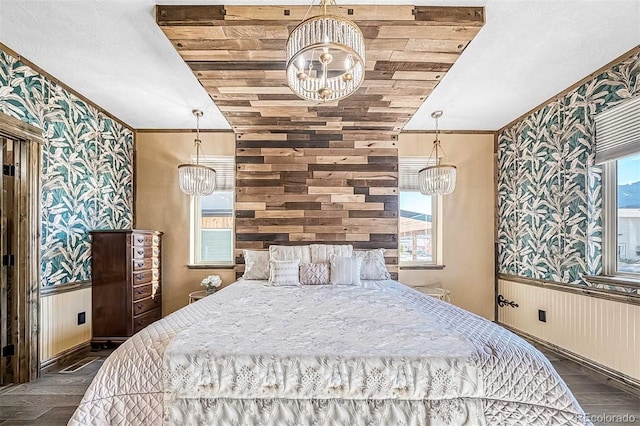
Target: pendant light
(325,56)
(439,179)
(196,179)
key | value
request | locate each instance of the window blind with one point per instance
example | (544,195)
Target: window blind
(408,168)
(225,168)
(216,245)
(618,131)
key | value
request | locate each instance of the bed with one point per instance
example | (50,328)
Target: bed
(376,354)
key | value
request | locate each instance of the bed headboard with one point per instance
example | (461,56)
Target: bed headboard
(304,186)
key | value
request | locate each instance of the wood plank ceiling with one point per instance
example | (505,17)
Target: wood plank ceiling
(238,55)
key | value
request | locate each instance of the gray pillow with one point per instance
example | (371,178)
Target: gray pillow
(314,274)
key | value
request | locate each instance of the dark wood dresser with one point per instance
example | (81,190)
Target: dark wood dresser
(126,283)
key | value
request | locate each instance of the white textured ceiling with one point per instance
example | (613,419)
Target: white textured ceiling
(112,52)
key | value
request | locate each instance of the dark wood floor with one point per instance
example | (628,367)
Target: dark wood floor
(52,399)
(597,396)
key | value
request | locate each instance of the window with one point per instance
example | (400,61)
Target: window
(618,151)
(415,239)
(212,217)
(417,225)
(627,214)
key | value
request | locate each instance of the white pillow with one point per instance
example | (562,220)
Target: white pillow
(345,270)
(256,264)
(321,253)
(284,272)
(302,253)
(373,266)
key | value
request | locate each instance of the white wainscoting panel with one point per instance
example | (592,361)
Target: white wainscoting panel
(59,329)
(604,331)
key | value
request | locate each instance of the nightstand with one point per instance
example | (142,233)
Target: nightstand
(437,292)
(197,295)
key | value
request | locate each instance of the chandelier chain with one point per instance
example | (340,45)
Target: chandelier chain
(308,10)
(198,142)
(438,146)
(335,5)
(198,126)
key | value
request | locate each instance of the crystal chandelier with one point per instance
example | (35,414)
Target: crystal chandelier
(196,179)
(325,56)
(439,179)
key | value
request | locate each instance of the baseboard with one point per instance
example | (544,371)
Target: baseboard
(615,378)
(65,358)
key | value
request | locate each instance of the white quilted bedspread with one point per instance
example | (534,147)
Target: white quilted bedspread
(380,354)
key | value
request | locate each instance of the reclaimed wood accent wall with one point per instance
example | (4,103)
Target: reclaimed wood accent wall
(307,187)
(238,55)
(309,172)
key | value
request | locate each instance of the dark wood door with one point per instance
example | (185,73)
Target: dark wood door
(19,250)
(7,215)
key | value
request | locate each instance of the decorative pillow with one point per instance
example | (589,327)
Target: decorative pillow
(321,253)
(284,272)
(345,270)
(256,264)
(314,274)
(373,266)
(302,253)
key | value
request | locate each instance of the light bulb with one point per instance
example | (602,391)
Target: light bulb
(301,62)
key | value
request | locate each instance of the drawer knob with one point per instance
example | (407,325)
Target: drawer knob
(140,276)
(139,291)
(140,252)
(140,306)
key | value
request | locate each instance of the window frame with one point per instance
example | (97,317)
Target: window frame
(195,226)
(436,243)
(610,222)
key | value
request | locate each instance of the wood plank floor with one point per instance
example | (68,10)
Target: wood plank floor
(599,399)
(52,399)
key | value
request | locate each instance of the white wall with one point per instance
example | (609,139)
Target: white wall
(59,329)
(604,331)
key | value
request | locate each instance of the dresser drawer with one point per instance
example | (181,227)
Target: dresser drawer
(144,291)
(141,321)
(145,240)
(144,305)
(143,264)
(145,252)
(146,276)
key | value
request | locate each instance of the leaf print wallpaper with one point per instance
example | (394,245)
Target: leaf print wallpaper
(549,191)
(87,168)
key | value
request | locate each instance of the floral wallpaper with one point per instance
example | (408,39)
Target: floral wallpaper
(87,168)
(549,191)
